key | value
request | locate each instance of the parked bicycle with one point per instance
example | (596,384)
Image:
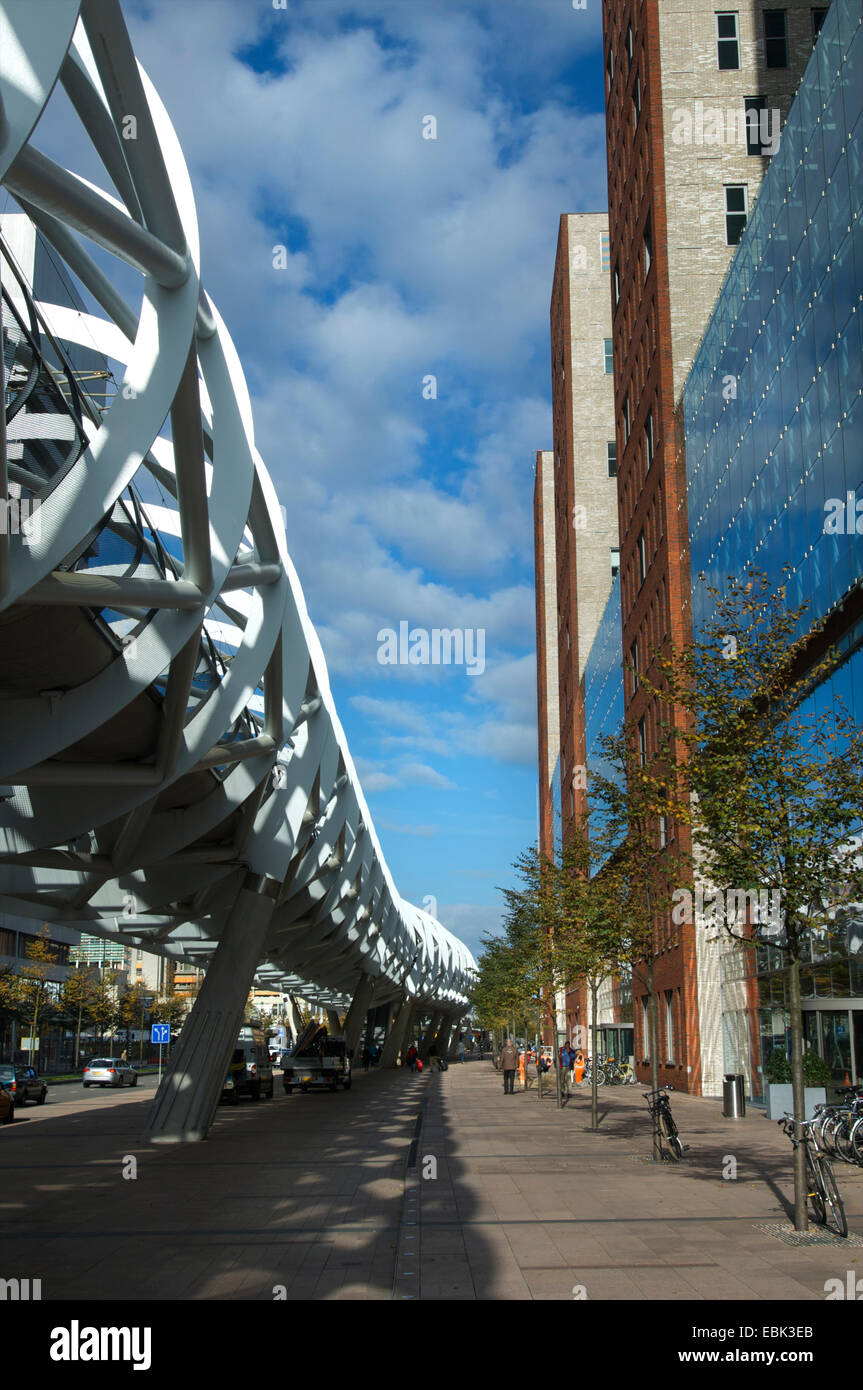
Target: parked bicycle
(619,1073)
(586,1078)
(822,1191)
(838,1126)
(664,1123)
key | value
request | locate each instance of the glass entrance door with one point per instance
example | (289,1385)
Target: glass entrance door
(836,1045)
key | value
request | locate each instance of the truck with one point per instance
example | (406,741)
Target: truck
(318,1061)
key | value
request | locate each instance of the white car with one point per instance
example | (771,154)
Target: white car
(109,1071)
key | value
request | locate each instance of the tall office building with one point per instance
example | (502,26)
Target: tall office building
(696,99)
(547,697)
(575,523)
(772,427)
(585,470)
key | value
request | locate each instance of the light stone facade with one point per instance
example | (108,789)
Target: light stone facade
(590,401)
(697,169)
(547,577)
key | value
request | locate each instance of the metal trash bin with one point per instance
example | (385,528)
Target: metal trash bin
(733,1097)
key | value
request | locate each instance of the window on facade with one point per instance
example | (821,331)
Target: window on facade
(633,661)
(642,741)
(615,561)
(818,17)
(649,442)
(636,101)
(648,246)
(616,286)
(754,106)
(776,38)
(727,40)
(611,455)
(735,212)
(609,68)
(669,1025)
(642,557)
(609,355)
(626,422)
(645,1030)
(663,831)
(629,45)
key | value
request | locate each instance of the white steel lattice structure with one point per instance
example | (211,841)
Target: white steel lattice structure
(175,772)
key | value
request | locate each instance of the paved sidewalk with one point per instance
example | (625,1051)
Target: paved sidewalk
(323,1197)
(529,1203)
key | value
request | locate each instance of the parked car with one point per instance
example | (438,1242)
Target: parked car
(109,1071)
(22,1083)
(250,1072)
(7,1106)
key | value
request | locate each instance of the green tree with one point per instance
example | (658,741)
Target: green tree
(170,1007)
(594,936)
(635,804)
(776,784)
(104,1009)
(35,996)
(133,1006)
(76,1000)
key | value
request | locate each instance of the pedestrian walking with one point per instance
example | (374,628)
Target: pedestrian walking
(411,1057)
(461,1049)
(567,1058)
(508,1064)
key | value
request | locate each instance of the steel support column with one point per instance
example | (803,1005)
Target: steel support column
(186,1101)
(397,1038)
(446,1031)
(434,1024)
(355,1021)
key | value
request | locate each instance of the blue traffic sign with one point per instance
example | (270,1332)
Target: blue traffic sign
(160,1032)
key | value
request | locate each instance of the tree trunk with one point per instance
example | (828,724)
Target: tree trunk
(33,1031)
(538,1054)
(556,1045)
(594,1085)
(78,1035)
(653,1028)
(801,1219)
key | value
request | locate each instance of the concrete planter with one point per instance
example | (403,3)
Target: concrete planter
(780,1099)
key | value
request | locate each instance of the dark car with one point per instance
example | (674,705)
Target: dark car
(22,1083)
(250,1071)
(7,1106)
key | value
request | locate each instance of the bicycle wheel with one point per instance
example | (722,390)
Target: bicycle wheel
(818,1132)
(816,1189)
(669,1133)
(842,1139)
(831,1197)
(857,1141)
(600,1077)
(828,1131)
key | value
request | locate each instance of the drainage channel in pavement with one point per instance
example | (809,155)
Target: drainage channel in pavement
(406,1275)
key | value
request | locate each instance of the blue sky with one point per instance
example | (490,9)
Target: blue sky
(405,257)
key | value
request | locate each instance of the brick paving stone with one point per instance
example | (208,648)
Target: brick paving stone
(308,1193)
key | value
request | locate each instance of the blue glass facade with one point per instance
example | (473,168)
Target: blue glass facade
(773,422)
(603,681)
(772,408)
